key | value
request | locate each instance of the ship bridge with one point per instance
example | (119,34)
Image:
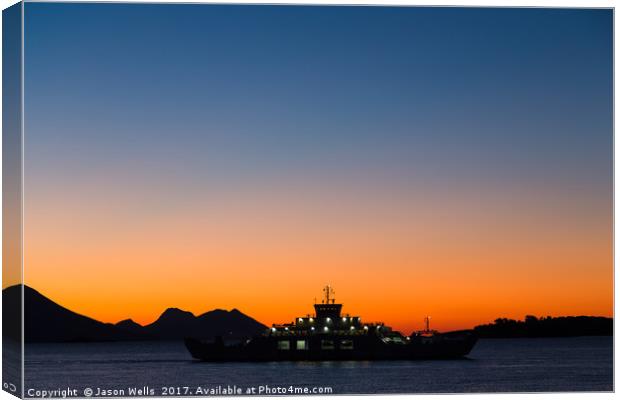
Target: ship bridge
(327,320)
(328,307)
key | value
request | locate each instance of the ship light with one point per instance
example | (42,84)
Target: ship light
(344,319)
(325,329)
(301,320)
(311,319)
(352,328)
(365,328)
(286,329)
(312,328)
(328,320)
(273,329)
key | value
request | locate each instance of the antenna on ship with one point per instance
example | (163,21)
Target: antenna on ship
(328,291)
(427,319)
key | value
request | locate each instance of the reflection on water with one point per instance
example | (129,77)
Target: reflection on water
(495,365)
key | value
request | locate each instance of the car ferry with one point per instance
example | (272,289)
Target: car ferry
(330,335)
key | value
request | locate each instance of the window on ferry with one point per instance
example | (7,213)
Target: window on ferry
(284,345)
(302,345)
(346,344)
(327,344)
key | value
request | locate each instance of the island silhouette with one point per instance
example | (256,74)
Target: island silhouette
(47,321)
(547,327)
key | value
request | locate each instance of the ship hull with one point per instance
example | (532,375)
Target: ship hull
(450,345)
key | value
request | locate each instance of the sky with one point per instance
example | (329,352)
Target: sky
(448,162)
(11,146)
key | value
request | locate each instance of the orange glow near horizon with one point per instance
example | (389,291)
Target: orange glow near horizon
(391,258)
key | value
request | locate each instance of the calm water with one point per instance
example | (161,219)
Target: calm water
(495,365)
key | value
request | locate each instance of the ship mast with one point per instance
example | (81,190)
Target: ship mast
(328,309)
(329,291)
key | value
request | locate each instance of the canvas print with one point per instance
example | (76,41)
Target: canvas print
(235,199)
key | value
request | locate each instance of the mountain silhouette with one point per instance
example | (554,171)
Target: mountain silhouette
(232,324)
(130,326)
(47,321)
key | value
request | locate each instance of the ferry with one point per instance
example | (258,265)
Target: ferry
(330,335)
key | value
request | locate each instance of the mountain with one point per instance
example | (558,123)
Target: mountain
(47,321)
(129,325)
(171,322)
(11,313)
(231,324)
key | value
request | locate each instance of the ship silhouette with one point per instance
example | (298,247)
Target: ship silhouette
(330,335)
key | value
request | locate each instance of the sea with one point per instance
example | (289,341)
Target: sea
(166,369)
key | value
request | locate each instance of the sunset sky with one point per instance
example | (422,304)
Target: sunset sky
(447,162)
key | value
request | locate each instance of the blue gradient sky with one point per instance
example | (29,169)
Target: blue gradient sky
(468,115)
(503,93)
